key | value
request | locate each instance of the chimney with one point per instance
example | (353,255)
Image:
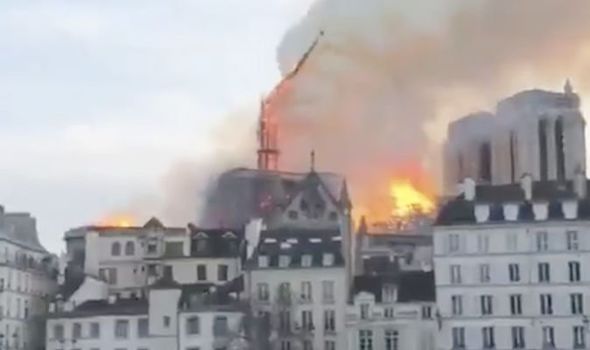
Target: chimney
(469,189)
(526,183)
(580,183)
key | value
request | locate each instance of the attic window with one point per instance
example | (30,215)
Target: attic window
(337,238)
(285,245)
(292,240)
(293,215)
(284,261)
(315,240)
(306,260)
(270,240)
(328,259)
(333,216)
(263,261)
(229,235)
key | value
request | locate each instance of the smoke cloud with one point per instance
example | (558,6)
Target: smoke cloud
(377,93)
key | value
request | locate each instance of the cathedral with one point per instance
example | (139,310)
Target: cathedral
(534,132)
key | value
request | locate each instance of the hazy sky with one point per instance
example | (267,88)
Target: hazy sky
(98,99)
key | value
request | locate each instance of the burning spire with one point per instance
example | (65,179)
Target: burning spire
(268,128)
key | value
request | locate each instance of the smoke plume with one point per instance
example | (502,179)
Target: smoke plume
(377,93)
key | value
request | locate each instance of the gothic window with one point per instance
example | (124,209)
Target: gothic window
(559,149)
(485,162)
(543,167)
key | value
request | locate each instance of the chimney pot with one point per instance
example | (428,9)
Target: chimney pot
(112,299)
(526,183)
(580,184)
(469,189)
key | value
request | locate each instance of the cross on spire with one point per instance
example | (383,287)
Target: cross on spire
(312,160)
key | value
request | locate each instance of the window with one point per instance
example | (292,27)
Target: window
(514,272)
(129,248)
(511,242)
(166,321)
(262,291)
(329,345)
(328,291)
(483,243)
(488,337)
(365,311)
(579,335)
(458,335)
(143,328)
(426,312)
(486,304)
(484,273)
(306,260)
(201,272)
(263,261)
(58,331)
(544,275)
(388,293)
(574,268)
(121,329)
(77,330)
(542,241)
(548,337)
(572,240)
(391,339)
(307,320)
(152,248)
(388,312)
(306,291)
(222,272)
(307,345)
(285,345)
(455,274)
(152,270)
(26,309)
(94,330)
(108,275)
(284,261)
(328,259)
(518,338)
(546,304)
(577,303)
(329,320)
(285,292)
(365,339)
(220,328)
(116,249)
(285,321)
(193,325)
(293,215)
(457,305)
(454,243)
(516,304)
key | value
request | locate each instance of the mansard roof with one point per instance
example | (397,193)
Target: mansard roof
(20,229)
(120,307)
(459,211)
(217,243)
(412,286)
(296,243)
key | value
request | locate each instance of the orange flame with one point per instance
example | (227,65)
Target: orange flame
(394,200)
(408,200)
(118,220)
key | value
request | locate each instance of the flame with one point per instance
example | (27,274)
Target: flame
(396,198)
(408,200)
(118,220)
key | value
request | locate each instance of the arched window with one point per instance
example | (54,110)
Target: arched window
(129,248)
(116,249)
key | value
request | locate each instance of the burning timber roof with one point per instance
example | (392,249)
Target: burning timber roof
(242,194)
(152,224)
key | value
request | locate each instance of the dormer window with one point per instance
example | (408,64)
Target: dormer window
(333,216)
(284,261)
(389,293)
(328,259)
(201,242)
(306,260)
(263,261)
(293,215)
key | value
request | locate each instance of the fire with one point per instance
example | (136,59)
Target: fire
(408,200)
(119,220)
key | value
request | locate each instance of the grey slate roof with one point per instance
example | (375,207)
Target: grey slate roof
(412,286)
(460,211)
(102,307)
(296,243)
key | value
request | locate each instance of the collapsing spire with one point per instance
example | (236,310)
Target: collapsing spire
(268,128)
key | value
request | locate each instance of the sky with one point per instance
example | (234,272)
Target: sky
(100,98)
